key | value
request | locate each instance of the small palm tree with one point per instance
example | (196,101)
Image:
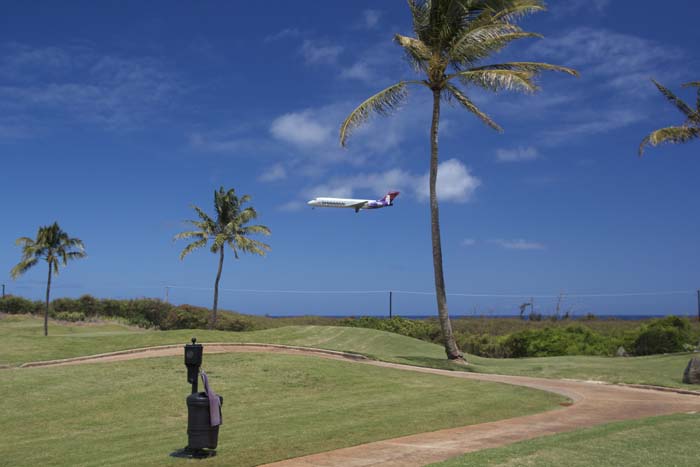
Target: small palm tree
(55,247)
(452,38)
(229,228)
(690,129)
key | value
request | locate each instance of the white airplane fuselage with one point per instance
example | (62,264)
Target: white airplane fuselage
(352,203)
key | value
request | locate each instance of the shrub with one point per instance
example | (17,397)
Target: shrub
(72,316)
(550,341)
(20,306)
(426,330)
(664,335)
(186,317)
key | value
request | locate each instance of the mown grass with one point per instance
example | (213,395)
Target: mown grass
(659,441)
(275,407)
(21,341)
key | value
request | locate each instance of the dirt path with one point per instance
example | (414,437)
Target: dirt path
(594,404)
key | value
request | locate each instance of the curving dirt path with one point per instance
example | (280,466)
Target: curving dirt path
(593,404)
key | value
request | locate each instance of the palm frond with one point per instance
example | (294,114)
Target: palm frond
(534,67)
(510,11)
(673,134)
(417,53)
(191,234)
(672,98)
(469,52)
(452,92)
(252,246)
(498,80)
(23,266)
(254,229)
(193,246)
(382,103)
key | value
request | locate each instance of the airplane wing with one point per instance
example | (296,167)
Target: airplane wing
(358,206)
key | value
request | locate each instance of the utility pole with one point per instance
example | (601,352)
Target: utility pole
(392,293)
(3,291)
(698,305)
(167,292)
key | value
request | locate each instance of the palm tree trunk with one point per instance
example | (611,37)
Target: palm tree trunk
(451,349)
(212,321)
(46,311)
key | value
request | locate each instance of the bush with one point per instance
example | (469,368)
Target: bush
(665,335)
(72,316)
(20,306)
(426,330)
(550,342)
(186,317)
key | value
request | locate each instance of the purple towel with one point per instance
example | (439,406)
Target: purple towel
(214,402)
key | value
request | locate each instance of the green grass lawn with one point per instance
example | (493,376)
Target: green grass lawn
(275,407)
(660,441)
(21,341)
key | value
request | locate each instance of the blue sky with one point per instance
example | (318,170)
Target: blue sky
(116,117)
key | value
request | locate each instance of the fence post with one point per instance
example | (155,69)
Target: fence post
(392,293)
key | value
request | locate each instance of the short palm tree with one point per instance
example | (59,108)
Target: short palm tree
(690,129)
(228,228)
(55,247)
(452,38)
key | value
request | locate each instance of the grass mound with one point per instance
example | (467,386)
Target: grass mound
(651,442)
(275,407)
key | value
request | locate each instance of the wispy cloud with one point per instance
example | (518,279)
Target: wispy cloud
(286,33)
(621,61)
(317,53)
(518,244)
(274,173)
(570,7)
(468,242)
(604,122)
(81,84)
(520,154)
(301,128)
(371,18)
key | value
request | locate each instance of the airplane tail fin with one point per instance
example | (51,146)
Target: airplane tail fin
(389,198)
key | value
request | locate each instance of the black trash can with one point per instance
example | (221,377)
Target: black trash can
(200,433)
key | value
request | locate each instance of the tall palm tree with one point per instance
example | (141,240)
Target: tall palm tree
(228,228)
(55,247)
(452,38)
(690,129)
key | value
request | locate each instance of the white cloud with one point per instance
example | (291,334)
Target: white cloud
(605,55)
(468,242)
(300,128)
(454,183)
(315,53)
(603,122)
(272,174)
(287,33)
(77,83)
(518,244)
(373,184)
(371,18)
(521,154)
(359,70)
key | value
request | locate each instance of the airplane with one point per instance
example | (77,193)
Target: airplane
(355,204)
